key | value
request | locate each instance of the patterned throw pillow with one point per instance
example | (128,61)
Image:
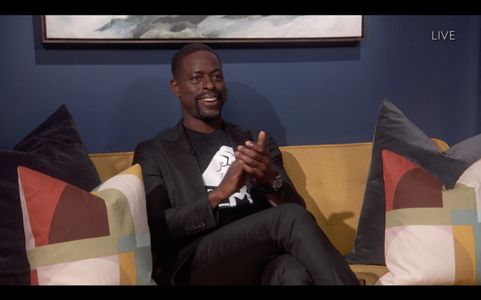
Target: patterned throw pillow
(76,237)
(433,234)
(394,132)
(55,148)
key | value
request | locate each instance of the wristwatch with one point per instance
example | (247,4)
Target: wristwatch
(276,186)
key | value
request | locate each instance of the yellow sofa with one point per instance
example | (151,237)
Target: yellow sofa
(331,178)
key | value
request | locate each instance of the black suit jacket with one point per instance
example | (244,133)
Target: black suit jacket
(179,212)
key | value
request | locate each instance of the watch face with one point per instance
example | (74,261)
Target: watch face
(277,183)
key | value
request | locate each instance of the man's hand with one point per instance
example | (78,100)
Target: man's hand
(256,160)
(233,180)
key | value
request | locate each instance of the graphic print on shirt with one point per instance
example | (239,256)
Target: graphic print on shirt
(215,172)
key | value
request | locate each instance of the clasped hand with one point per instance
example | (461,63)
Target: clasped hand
(255,160)
(251,159)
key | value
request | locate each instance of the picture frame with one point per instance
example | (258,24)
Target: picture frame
(165,30)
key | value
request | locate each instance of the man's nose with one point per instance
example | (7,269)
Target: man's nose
(208,83)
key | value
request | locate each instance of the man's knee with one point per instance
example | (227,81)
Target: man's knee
(294,212)
(285,270)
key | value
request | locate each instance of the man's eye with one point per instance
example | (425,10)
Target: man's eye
(217,77)
(195,78)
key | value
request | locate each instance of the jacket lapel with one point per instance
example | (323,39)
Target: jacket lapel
(179,148)
(237,135)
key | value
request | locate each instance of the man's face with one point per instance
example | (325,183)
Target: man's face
(200,86)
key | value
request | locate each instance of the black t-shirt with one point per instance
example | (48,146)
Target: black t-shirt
(215,154)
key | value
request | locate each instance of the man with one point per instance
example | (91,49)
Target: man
(221,208)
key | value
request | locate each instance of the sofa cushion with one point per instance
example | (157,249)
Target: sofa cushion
(331,179)
(54,148)
(432,234)
(76,237)
(396,133)
(111,164)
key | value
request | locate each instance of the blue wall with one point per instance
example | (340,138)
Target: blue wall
(119,97)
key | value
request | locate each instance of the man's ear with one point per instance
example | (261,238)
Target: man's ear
(174,87)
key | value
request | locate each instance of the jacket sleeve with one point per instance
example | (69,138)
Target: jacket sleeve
(188,218)
(289,193)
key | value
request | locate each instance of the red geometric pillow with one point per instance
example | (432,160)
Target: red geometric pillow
(76,237)
(432,234)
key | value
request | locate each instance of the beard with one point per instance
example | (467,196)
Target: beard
(207,115)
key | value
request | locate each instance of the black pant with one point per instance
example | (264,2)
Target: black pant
(279,245)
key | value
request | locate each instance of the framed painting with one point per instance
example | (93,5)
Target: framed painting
(219,29)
